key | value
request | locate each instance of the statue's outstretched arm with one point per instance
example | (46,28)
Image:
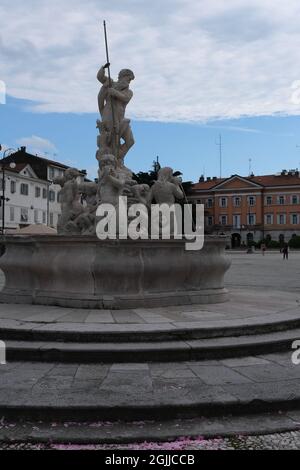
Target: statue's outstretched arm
(177,192)
(101,77)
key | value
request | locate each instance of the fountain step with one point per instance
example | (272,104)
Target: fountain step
(154,351)
(154,331)
(142,391)
(66,434)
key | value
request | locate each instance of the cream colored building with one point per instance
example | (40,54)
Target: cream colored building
(30,195)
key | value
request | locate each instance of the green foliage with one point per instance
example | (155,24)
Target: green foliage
(273,244)
(294,242)
(145,178)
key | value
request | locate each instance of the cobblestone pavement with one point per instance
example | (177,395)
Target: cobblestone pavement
(280,441)
(268,272)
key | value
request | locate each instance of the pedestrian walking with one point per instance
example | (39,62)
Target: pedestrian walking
(285,251)
(263,248)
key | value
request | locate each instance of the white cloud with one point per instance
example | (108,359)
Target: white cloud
(193,60)
(37,145)
(2,92)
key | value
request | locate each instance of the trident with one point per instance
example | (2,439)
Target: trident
(116,129)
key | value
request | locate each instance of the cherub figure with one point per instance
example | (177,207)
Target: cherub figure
(167,187)
(111,183)
(69,197)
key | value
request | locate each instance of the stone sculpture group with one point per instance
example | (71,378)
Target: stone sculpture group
(80,200)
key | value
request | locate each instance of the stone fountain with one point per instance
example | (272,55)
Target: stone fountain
(77,269)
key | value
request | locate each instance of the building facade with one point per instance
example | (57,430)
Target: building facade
(31,197)
(251,208)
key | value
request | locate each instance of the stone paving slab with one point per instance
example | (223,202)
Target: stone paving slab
(269,272)
(142,390)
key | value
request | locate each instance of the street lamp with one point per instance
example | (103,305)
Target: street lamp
(2,198)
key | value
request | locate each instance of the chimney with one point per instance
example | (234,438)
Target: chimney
(23,149)
(208,178)
(214,178)
(201,179)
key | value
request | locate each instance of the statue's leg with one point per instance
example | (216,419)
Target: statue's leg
(128,138)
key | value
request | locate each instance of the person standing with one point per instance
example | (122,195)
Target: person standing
(263,248)
(285,251)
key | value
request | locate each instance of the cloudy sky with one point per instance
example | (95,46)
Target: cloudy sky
(202,67)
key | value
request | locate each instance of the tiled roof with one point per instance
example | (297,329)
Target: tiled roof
(273,180)
(208,184)
(264,180)
(17,169)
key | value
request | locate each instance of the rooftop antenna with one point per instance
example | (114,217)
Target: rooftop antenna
(298,146)
(250,166)
(220,145)
(156,165)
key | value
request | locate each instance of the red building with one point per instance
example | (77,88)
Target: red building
(251,208)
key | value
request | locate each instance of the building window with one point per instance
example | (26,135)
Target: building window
(36,216)
(24,189)
(44,193)
(51,219)
(251,219)
(269,200)
(250,237)
(295,219)
(251,200)
(209,220)
(223,201)
(209,202)
(236,220)
(237,201)
(51,173)
(51,196)
(281,200)
(223,219)
(295,199)
(281,219)
(24,214)
(269,219)
(11,214)
(37,191)
(44,217)
(13,187)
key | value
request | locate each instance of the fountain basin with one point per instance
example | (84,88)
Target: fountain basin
(84,272)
